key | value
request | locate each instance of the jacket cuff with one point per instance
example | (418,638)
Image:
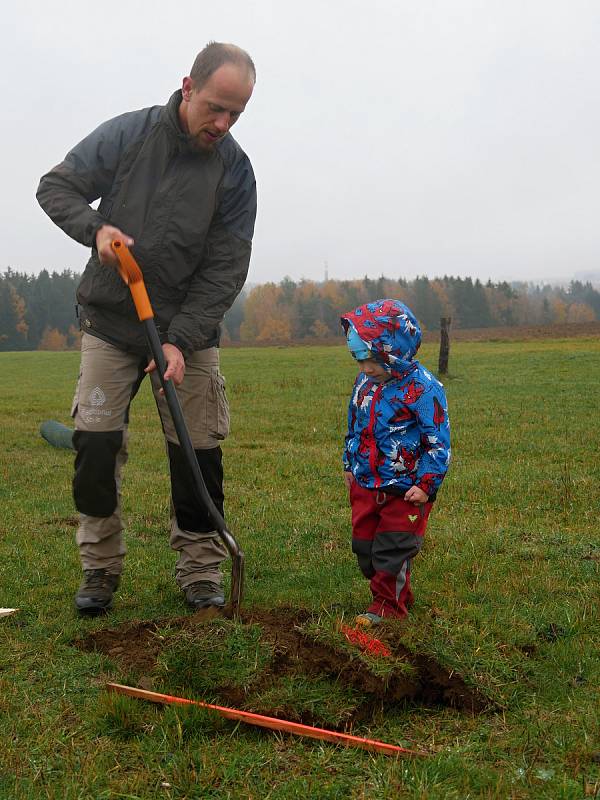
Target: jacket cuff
(93,229)
(172,338)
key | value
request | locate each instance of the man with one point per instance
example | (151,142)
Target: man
(178,189)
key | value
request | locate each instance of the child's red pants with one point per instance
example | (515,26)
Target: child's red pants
(387,532)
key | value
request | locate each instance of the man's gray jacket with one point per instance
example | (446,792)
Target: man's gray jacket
(190,213)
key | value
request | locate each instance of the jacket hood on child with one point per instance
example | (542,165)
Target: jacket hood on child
(389,330)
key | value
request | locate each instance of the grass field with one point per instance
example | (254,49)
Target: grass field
(507,589)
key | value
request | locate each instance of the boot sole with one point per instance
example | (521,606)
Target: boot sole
(92,610)
(208,603)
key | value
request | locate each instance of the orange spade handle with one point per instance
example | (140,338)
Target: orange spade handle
(132,275)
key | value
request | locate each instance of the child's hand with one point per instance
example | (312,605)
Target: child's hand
(348,479)
(416,496)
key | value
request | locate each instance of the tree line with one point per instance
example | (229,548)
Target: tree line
(306,310)
(37,312)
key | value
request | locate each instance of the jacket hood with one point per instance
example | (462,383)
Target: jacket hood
(391,332)
(171,120)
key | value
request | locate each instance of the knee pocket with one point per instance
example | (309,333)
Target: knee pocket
(391,549)
(94,482)
(189,511)
(362,549)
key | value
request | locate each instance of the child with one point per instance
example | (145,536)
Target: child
(397,451)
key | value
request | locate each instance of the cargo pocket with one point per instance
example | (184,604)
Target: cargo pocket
(218,411)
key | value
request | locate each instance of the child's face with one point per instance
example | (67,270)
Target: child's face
(373,370)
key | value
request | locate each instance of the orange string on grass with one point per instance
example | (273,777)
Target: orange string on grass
(367,643)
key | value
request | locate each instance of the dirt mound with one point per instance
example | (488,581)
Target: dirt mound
(136,646)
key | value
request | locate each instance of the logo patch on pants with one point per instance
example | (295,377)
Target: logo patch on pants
(97,397)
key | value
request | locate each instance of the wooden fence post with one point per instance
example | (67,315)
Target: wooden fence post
(444,345)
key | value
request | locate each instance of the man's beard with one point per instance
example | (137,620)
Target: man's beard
(200,145)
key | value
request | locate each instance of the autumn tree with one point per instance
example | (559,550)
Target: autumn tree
(13,326)
(275,329)
(319,330)
(73,338)
(585,293)
(580,312)
(52,339)
(260,301)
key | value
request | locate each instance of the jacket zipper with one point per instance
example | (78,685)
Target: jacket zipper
(373,450)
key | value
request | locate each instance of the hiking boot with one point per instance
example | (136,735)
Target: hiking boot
(203,594)
(368,619)
(95,593)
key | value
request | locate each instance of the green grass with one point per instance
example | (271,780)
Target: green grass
(507,588)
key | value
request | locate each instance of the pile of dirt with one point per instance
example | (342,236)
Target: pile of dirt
(135,647)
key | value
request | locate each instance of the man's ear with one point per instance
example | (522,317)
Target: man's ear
(187,88)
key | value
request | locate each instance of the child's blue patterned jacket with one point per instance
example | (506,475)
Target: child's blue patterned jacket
(398,431)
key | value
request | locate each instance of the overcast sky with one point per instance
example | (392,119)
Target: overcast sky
(395,137)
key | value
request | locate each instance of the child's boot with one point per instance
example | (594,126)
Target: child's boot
(368,619)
